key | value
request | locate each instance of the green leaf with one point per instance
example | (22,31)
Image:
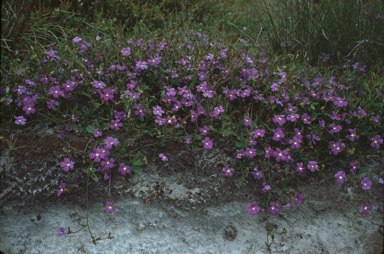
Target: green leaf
(222,140)
(90,129)
(88,95)
(136,169)
(238,144)
(231,132)
(161,144)
(138,163)
(198,137)
(138,154)
(312,107)
(260,152)
(284,182)
(179,133)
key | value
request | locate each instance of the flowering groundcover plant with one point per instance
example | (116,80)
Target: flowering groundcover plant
(159,87)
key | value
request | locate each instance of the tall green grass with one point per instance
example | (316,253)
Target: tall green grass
(343,29)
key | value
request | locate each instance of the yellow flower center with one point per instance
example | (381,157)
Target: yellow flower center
(68,164)
(253,208)
(110,207)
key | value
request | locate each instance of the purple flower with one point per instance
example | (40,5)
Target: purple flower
(61,135)
(280,155)
(376,141)
(204,130)
(55,91)
(228,171)
(295,142)
(158,111)
(109,207)
(250,152)
(258,133)
(29,108)
(274,208)
(253,208)
(51,104)
(300,167)
(340,176)
(340,102)
(366,184)
(108,163)
(116,124)
(67,164)
(107,94)
(257,175)
(268,152)
(366,207)
(207,143)
(125,51)
(96,154)
(109,141)
(62,187)
(187,140)
(97,133)
(287,206)
(20,120)
(266,187)
(306,118)
(247,122)
(279,119)
(278,134)
(77,39)
(141,65)
(61,232)
(381,181)
(164,158)
(353,135)
(292,117)
(335,128)
(312,165)
(124,169)
(297,199)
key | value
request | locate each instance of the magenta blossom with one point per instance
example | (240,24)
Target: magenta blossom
(228,171)
(204,130)
(266,187)
(164,158)
(354,165)
(109,141)
(312,165)
(376,141)
(67,164)
(366,184)
(97,133)
(20,120)
(258,133)
(124,169)
(274,208)
(158,111)
(340,176)
(253,208)
(366,207)
(297,199)
(247,122)
(110,208)
(116,125)
(300,167)
(207,143)
(62,189)
(61,232)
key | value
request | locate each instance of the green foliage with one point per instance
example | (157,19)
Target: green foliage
(343,29)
